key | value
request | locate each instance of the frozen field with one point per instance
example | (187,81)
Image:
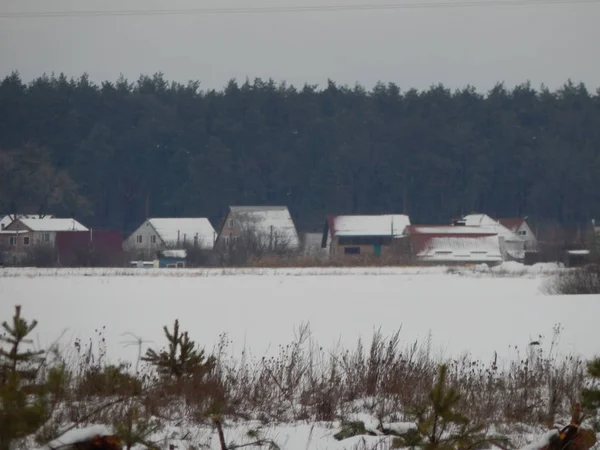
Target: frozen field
(471,312)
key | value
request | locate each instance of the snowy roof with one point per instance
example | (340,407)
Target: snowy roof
(174,253)
(451,230)
(52,224)
(460,248)
(264,220)
(483,220)
(180,229)
(7,219)
(578,252)
(373,225)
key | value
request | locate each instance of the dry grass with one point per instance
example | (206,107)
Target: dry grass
(305,382)
(582,280)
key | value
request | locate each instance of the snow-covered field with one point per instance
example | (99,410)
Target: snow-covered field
(462,310)
(258,309)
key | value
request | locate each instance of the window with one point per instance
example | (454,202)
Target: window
(139,238)
(180,265)
(26,240)
(46,237)
(352,251)
(13,241)
(152,239)
(523,233)
(230,223)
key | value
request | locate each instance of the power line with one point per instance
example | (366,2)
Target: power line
(283,9)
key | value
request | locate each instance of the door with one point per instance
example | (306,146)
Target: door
(377,250)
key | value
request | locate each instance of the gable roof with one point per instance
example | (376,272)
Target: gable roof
(512,223)
(483,220)
(52,224)
(174,229)
(264,220)
(6,220)
(369,225)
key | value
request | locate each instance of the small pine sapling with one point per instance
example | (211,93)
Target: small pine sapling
(182,359)
(25,392)
(590,396)
(135,427)
(442,427)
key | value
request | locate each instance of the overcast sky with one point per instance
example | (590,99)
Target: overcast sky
(412,47)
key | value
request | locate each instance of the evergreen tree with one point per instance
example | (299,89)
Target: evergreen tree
(442,427)
(24,399)
(136,427)
(182,358)
(590,397)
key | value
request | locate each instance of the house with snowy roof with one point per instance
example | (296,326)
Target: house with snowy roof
(25,232)
(348,236)
(515,235)
(451,244)
(159,233)
(271,227)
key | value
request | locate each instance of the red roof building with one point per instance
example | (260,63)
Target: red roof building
(448,244)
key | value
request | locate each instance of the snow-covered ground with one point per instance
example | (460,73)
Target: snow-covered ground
(469,310)
(474,310)
(292,436)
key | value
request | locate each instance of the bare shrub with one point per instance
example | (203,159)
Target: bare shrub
(251,245)
(40,255)
(581,280)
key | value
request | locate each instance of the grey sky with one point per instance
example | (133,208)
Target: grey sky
(411,47)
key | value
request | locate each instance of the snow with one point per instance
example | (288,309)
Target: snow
(399,427)
(543,441)
(291,436)
(259,309)
(378,225)
(485,221)
(180,229)
(174,253)
(578,252)
(464,248)
(7,220)
(268,220)
(53,224)
(78,435)
(451,229)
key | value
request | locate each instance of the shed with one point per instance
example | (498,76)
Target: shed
(172,259)
(371,235)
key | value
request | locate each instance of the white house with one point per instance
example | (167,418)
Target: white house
(158,233)
(521,228)
(515,235)
(273,226)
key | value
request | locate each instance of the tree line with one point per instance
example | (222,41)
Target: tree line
(113,153)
